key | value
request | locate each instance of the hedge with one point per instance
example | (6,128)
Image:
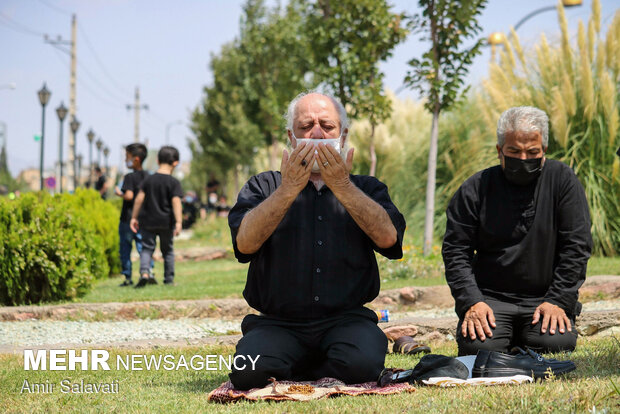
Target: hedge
(54,247)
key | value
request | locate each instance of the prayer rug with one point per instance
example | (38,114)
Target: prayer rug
(304,390)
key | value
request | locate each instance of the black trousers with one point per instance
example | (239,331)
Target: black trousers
(514,328)
(167,251)
(349,347)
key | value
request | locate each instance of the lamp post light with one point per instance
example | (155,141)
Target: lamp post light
(170,125)
(78,174)
(99,145)
(90,136)
(75,125)
(44,97)
(497,38)
(106,152)
(61,111)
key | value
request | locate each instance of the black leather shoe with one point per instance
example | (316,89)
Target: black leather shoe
(518,362)
(142,282)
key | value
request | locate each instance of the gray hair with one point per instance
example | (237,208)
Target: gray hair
(525,119)
(342,113)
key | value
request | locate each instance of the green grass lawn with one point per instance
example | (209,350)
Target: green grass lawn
(194,280)
(594,384)
(223,278)
(604,266)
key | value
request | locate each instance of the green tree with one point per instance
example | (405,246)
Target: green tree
(278,66)
(349,38)
(225,137)
(6,179)
(254,78)
(440,73)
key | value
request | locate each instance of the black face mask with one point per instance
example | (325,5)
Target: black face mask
(522,172)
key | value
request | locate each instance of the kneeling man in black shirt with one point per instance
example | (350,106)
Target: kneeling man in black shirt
(517,244)
(309,232)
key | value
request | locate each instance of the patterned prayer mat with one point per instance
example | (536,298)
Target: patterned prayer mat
(304,390)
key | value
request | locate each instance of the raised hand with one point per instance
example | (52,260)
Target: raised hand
(296,168)
(334,170)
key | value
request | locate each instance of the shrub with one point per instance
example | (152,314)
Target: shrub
(103,217)
(51,247)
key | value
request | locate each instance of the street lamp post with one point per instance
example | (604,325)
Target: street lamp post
(565,3)
(170,125)
(497,38)
(90,136)
(106,152)
(79,169)
(61,111)
(44,97)
(99,145)
(75,125)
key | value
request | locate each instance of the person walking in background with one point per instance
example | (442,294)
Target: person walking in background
(135,155)
(157,211)
(101,185)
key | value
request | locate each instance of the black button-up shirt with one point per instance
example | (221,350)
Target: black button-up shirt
(318,261)
(519,244)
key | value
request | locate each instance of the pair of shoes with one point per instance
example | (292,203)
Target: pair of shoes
(126,282)
(169,283)
(408,345)
(430,366)
(518,362)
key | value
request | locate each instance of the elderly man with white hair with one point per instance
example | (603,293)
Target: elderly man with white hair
(517,244)
(310,232)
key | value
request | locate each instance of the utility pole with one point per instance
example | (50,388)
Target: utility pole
(71,176)
(136,107)
(3,139)
(72,107)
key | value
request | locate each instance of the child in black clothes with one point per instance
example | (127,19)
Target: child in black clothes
(157,212)
(134,157)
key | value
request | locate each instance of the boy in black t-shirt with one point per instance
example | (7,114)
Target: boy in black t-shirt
(134,157)
(101,185)
(157,212)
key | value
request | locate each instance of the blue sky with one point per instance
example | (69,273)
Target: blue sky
(163,47)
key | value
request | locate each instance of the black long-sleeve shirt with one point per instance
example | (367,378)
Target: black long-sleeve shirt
(520,244)
(318,261)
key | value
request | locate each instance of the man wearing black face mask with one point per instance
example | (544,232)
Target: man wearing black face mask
(517,244)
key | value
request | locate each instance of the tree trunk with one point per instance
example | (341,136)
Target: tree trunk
(430,184)
(373,155)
